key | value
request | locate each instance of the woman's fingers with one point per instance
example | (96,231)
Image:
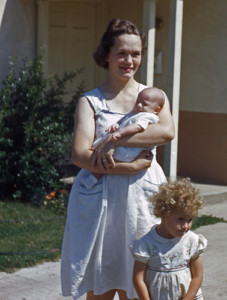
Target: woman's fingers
(93,159)
(147,154)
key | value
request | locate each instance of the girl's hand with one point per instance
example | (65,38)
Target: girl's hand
(102,155)
(143,161)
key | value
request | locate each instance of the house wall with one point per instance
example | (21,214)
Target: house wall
(17,33)
(203,107)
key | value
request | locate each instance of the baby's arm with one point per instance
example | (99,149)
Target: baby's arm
(139,273)
(196,267)
(126,131)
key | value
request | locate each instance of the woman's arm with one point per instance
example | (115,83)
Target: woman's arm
(139,273)
(155,134)
(84,133)
(196,267)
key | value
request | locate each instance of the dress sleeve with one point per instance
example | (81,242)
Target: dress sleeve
(199,247)
(140,251)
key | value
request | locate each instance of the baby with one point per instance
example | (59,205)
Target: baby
(145,111)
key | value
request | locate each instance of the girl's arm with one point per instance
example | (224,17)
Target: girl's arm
(84,132)
(196,267)
(139,273)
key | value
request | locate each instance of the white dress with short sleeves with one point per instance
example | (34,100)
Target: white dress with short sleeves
(168,273)
(104,216)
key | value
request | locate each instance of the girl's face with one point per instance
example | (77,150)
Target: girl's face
(125,57)
(176,224)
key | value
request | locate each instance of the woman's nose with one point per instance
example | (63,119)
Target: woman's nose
(128,59)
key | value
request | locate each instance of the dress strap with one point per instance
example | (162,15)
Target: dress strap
(96,99)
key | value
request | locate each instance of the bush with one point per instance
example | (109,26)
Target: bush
(35,130)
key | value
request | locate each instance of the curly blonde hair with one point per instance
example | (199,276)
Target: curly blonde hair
(179,194)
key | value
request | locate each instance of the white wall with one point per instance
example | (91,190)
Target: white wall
(17,32)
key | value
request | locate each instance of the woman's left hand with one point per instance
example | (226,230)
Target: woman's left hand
(102,155)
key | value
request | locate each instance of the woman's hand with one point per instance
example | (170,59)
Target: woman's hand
(102,155)
(143,161)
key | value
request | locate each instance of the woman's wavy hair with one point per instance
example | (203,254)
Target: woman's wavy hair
(115,28)
(174,195)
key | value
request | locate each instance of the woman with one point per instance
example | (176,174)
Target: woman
(106,212)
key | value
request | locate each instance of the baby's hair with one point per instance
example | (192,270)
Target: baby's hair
(178,194)
(156,94)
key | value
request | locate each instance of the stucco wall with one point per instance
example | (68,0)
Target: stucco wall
(17,32)
(204,59)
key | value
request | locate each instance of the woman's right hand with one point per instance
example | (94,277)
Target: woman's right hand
(143,161)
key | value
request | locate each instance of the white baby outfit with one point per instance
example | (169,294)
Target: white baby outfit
(104,216)
(130,153)
(168,272)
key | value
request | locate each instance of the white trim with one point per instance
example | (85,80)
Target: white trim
(2,9)
(149,12)
(176,83)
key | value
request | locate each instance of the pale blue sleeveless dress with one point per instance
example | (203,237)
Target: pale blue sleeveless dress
(104,217)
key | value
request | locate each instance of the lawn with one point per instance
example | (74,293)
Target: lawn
(28,235)
(31,235)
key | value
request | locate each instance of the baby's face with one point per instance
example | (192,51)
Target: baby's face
(144,104)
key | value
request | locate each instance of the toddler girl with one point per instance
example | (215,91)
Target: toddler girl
(168,265)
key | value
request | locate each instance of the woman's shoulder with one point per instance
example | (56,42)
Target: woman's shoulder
(142,87)
(93,93)
(96,99)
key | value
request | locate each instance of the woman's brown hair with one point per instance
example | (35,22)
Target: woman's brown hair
(115,28)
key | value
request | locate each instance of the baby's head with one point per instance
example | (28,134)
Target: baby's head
(150,100)
(178,195)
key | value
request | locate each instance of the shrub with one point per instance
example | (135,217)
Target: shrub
(35,130)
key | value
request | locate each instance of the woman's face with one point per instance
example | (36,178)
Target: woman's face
(125,56)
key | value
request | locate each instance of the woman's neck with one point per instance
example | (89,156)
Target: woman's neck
(121,96)
(113,87)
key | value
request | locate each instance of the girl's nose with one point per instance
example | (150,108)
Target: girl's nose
(185,226)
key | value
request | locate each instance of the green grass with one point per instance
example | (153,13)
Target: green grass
(32,234)
(206,220)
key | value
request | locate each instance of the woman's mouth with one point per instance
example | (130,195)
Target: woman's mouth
(127,69)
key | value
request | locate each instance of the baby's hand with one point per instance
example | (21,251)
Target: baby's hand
(116,136)
(112,128)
